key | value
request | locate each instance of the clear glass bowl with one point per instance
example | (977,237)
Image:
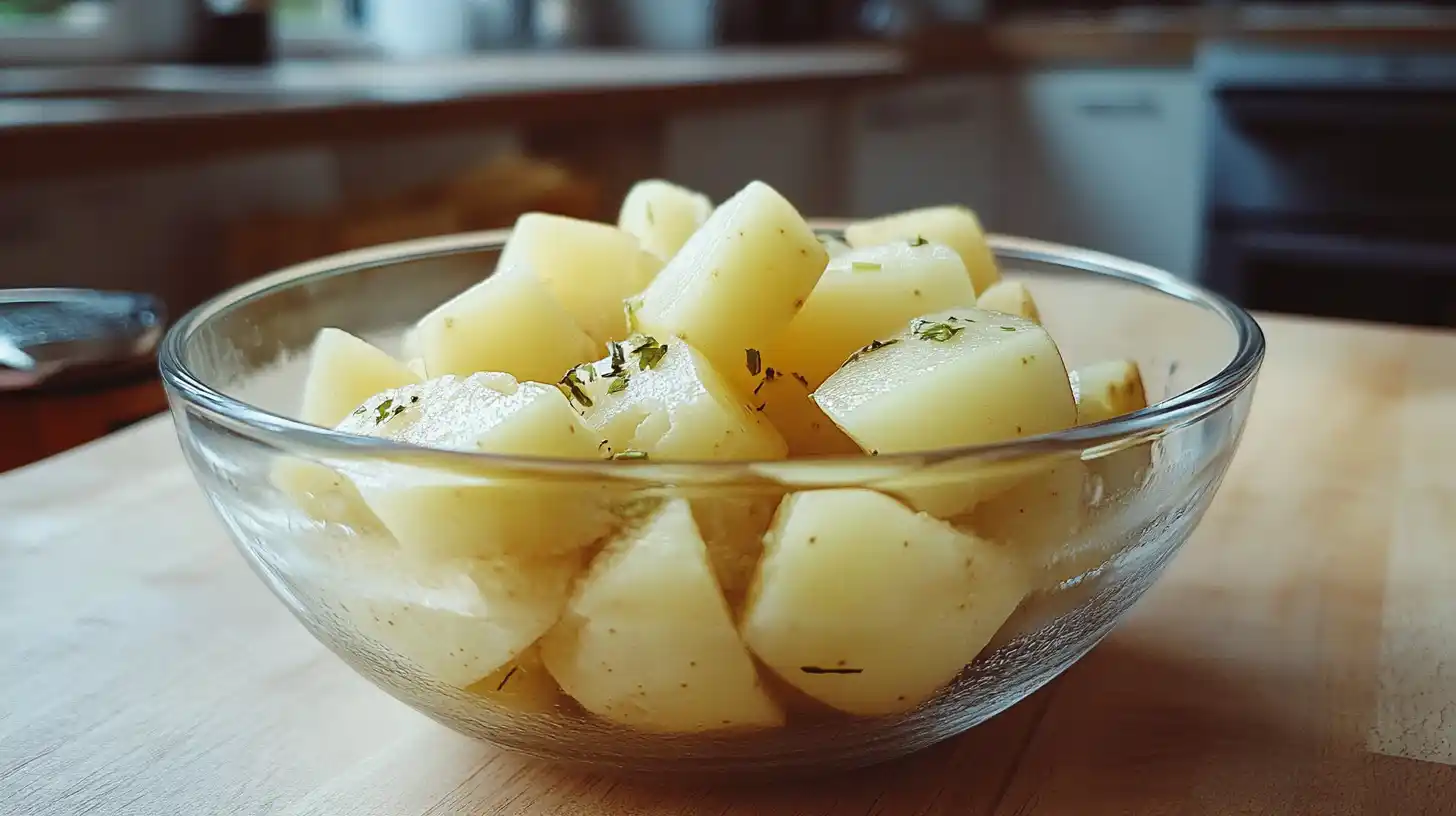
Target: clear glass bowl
(234,369)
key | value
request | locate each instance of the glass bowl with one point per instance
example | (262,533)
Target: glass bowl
(234,369)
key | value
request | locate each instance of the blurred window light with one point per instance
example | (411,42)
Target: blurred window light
(53,16)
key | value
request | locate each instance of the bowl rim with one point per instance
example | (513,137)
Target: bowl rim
(1088,441)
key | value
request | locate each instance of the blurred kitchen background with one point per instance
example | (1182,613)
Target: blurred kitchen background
(1297,156)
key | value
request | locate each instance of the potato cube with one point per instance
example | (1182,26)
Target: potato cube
(456,621)
(663,216)
(343,371)
(1010,297)
(1104,391)
(480,512)
(957,378)
(870,607)
(738,281)
(956,227)
(522,686)
(864,295)
(1038,519)
(667,400)
(733,527)
(324,495)
(509,322)
(588,267)
(648,641)
(784,398)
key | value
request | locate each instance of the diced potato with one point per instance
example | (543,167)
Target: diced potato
(343,371)
(804,427)
(738,281)
(588,267)
(662,215)
(733,528)
(648,641)
(522,685)
(1010,297)
(509,322)
(956,378)
(1104,391)
(1108,389)
(870,607)
(666,400)
(480,513)
(324,494)
(956,227)
(864,295)
(456,621)
(1037,519)
(417,366)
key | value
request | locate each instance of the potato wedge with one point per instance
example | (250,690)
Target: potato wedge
(783,397)
(870,607)
(456,621)
(738,281)
(648,641)
(509,322)
(459,512)
(343,371)
(522,686)
(667,400)
(1037,519)
(1010,297)
(1105,391)
(662,216)
(588,267)
(956,227)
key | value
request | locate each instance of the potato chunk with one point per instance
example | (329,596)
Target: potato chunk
(480,513)
(870,607)
(785,400)
(1010,297)
(509,322)
(663,216)
(1104,391)
(956,378)
(456,621)
(666,400)
(648,641)
(588,267)
(343,371)
(956,227)
(959,377)
(738,281)
(522,685)
(1038,518)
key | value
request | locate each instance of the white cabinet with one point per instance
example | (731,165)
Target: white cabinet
(931,142)
(1107,159)
(788,146)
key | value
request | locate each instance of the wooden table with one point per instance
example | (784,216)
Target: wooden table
(1299,657)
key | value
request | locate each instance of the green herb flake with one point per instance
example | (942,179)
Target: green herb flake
(1008,328)
(918,241)
(755,361)
(649,353)
(381,411)
(937,332)
(760,407)
(629,455)
(571,386)
(822,670)
(651,219)
(865,266)
(414,400)
(619,357)
(398,409)
(769,375)
(361,410)
(618,385)
(804,381)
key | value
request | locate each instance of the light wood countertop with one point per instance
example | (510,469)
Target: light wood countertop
(1297,657)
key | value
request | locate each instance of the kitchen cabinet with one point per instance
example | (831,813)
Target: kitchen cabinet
(931,142)
(1107,159)
(792,147)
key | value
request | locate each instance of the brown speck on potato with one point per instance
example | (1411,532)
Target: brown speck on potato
(842,663)
(1018,429)
(571,429)
(813,539)
(917,294)
(684,685)
(693,664)
(901,698)
(799,304)
(905,544)
(713,274)
(781,231)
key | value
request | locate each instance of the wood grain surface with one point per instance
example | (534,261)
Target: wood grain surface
(1297,658)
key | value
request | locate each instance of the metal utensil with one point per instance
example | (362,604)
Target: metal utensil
(50,336)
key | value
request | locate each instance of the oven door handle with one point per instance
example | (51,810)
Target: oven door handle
(1347,250)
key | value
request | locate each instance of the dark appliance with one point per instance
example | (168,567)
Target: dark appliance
(1332,182)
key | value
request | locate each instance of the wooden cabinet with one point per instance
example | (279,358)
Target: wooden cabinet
(931,142)
(1107,159)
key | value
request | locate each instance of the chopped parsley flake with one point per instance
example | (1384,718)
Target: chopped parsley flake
(507,678)
(630,455)
(571,386)
(649,353)
(381,411)
(918,241)
(822,670)
(865,266)
(872,347)
(755,361)
(619,357)
(804,381)
(618,385)
(651,219)
(769,375)
(938,332)
(1008,328)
